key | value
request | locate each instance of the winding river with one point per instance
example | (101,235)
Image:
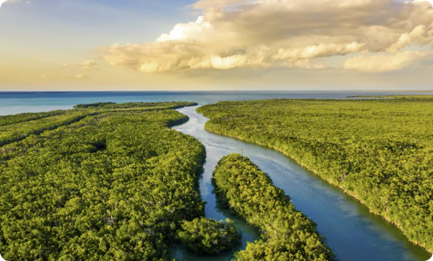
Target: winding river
(350,230)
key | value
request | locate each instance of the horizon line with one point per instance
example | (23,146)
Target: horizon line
(237,90)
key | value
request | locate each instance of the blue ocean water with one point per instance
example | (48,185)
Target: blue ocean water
(19,102)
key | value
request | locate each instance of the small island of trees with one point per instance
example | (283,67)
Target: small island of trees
(208,237)
(287,234)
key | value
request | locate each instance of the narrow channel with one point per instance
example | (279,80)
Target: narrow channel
(350,230)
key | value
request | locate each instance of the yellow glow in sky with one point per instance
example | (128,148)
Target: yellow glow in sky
(230,44)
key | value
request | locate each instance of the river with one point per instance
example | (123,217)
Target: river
(351,231)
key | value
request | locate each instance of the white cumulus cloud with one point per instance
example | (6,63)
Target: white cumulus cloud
(286,33)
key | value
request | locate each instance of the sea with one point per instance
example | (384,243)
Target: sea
(20,102)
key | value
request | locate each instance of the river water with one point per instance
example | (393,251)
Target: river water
(351,231)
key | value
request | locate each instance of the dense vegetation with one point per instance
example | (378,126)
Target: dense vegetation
(17,127)
(206,236)
(379,151)
(136,105)
(286,233)
(18,131)
(401,97)
(10,119)
(94,105)
(96,184)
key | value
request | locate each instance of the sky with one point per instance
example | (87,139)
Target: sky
(216,45)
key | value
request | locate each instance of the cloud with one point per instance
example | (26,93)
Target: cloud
(421,34)
(89,64)
(11,1)
(283,33)
(80,76)
(385,62)
(77,76)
